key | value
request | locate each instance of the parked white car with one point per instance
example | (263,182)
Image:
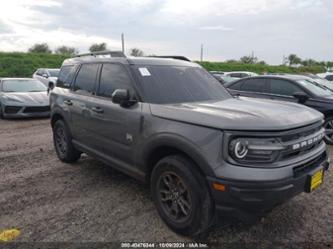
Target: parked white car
(46,75)
(240,74)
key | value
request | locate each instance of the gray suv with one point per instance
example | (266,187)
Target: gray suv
(169,123)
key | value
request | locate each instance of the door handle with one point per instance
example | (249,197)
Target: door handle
(68,102)
(97,109)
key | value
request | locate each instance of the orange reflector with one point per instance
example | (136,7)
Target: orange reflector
(219,186)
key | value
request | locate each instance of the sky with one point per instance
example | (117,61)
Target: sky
(228,29)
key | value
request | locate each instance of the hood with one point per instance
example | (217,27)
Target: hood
(27,98)
(240,114)
(53,79)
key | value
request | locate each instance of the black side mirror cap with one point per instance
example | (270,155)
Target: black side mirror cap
(50,87)
(122,97)
(301,97)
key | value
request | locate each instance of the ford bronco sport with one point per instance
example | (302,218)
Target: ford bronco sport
(169,123)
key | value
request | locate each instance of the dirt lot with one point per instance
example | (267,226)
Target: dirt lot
(88,201)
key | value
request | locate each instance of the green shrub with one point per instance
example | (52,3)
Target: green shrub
(16,64)
(259,68)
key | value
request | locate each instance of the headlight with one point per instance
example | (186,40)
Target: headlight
(251,150)
(12,99)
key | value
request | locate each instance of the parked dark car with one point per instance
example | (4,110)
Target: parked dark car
(292,88)
(171,124)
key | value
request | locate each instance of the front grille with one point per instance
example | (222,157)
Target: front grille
(12,109)
(307,167)
(297,137)
(32,109)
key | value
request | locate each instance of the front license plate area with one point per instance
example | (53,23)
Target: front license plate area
(314,180)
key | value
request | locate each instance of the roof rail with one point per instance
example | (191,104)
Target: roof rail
(106,52)
(177,57)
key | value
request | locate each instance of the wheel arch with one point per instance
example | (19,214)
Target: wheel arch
(169,145)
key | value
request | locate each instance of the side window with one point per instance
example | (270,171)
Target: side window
(235,75)
(113,76)
(39,72)
(283,87)
(329,77)
(237,86)
(86,78)
(66,76)
(254,85)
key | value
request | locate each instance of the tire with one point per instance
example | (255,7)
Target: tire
(186,192)
(63,145)
(328,125)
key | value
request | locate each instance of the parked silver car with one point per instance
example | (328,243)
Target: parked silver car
(23,97)
(46,75)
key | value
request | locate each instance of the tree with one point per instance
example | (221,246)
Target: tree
(64,50)
(136,52)
(308,63)
(248,60)
(262,62)
(293,59)
(232,61)
(40,48)
(97,47)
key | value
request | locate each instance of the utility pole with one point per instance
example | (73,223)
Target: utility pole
(122,43)
(201,53)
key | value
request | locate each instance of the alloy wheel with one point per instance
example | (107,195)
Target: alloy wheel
(174,197)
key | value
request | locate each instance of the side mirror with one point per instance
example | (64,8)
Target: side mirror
(122,97)
(45,75)
(50,87)
(301,97)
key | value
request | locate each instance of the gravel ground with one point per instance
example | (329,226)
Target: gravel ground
(50,201)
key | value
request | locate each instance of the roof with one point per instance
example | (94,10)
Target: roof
(131,61)
(284,76)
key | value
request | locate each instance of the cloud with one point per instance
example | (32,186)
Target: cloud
(216,28)
(270,28)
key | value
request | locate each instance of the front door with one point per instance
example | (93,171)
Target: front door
(116,128)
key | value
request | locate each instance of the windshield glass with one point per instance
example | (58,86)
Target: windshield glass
(179,84)
(315,88)
(53,72)
(23,86)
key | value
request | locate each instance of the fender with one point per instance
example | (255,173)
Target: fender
(179,143)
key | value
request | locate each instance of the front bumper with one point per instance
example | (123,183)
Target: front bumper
(242,199)
(25,111)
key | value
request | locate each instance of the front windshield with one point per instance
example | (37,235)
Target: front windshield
(315,88)
(53,72)
(179,84)
(23,86)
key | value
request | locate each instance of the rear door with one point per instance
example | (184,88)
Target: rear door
(81,103)
(252,87)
